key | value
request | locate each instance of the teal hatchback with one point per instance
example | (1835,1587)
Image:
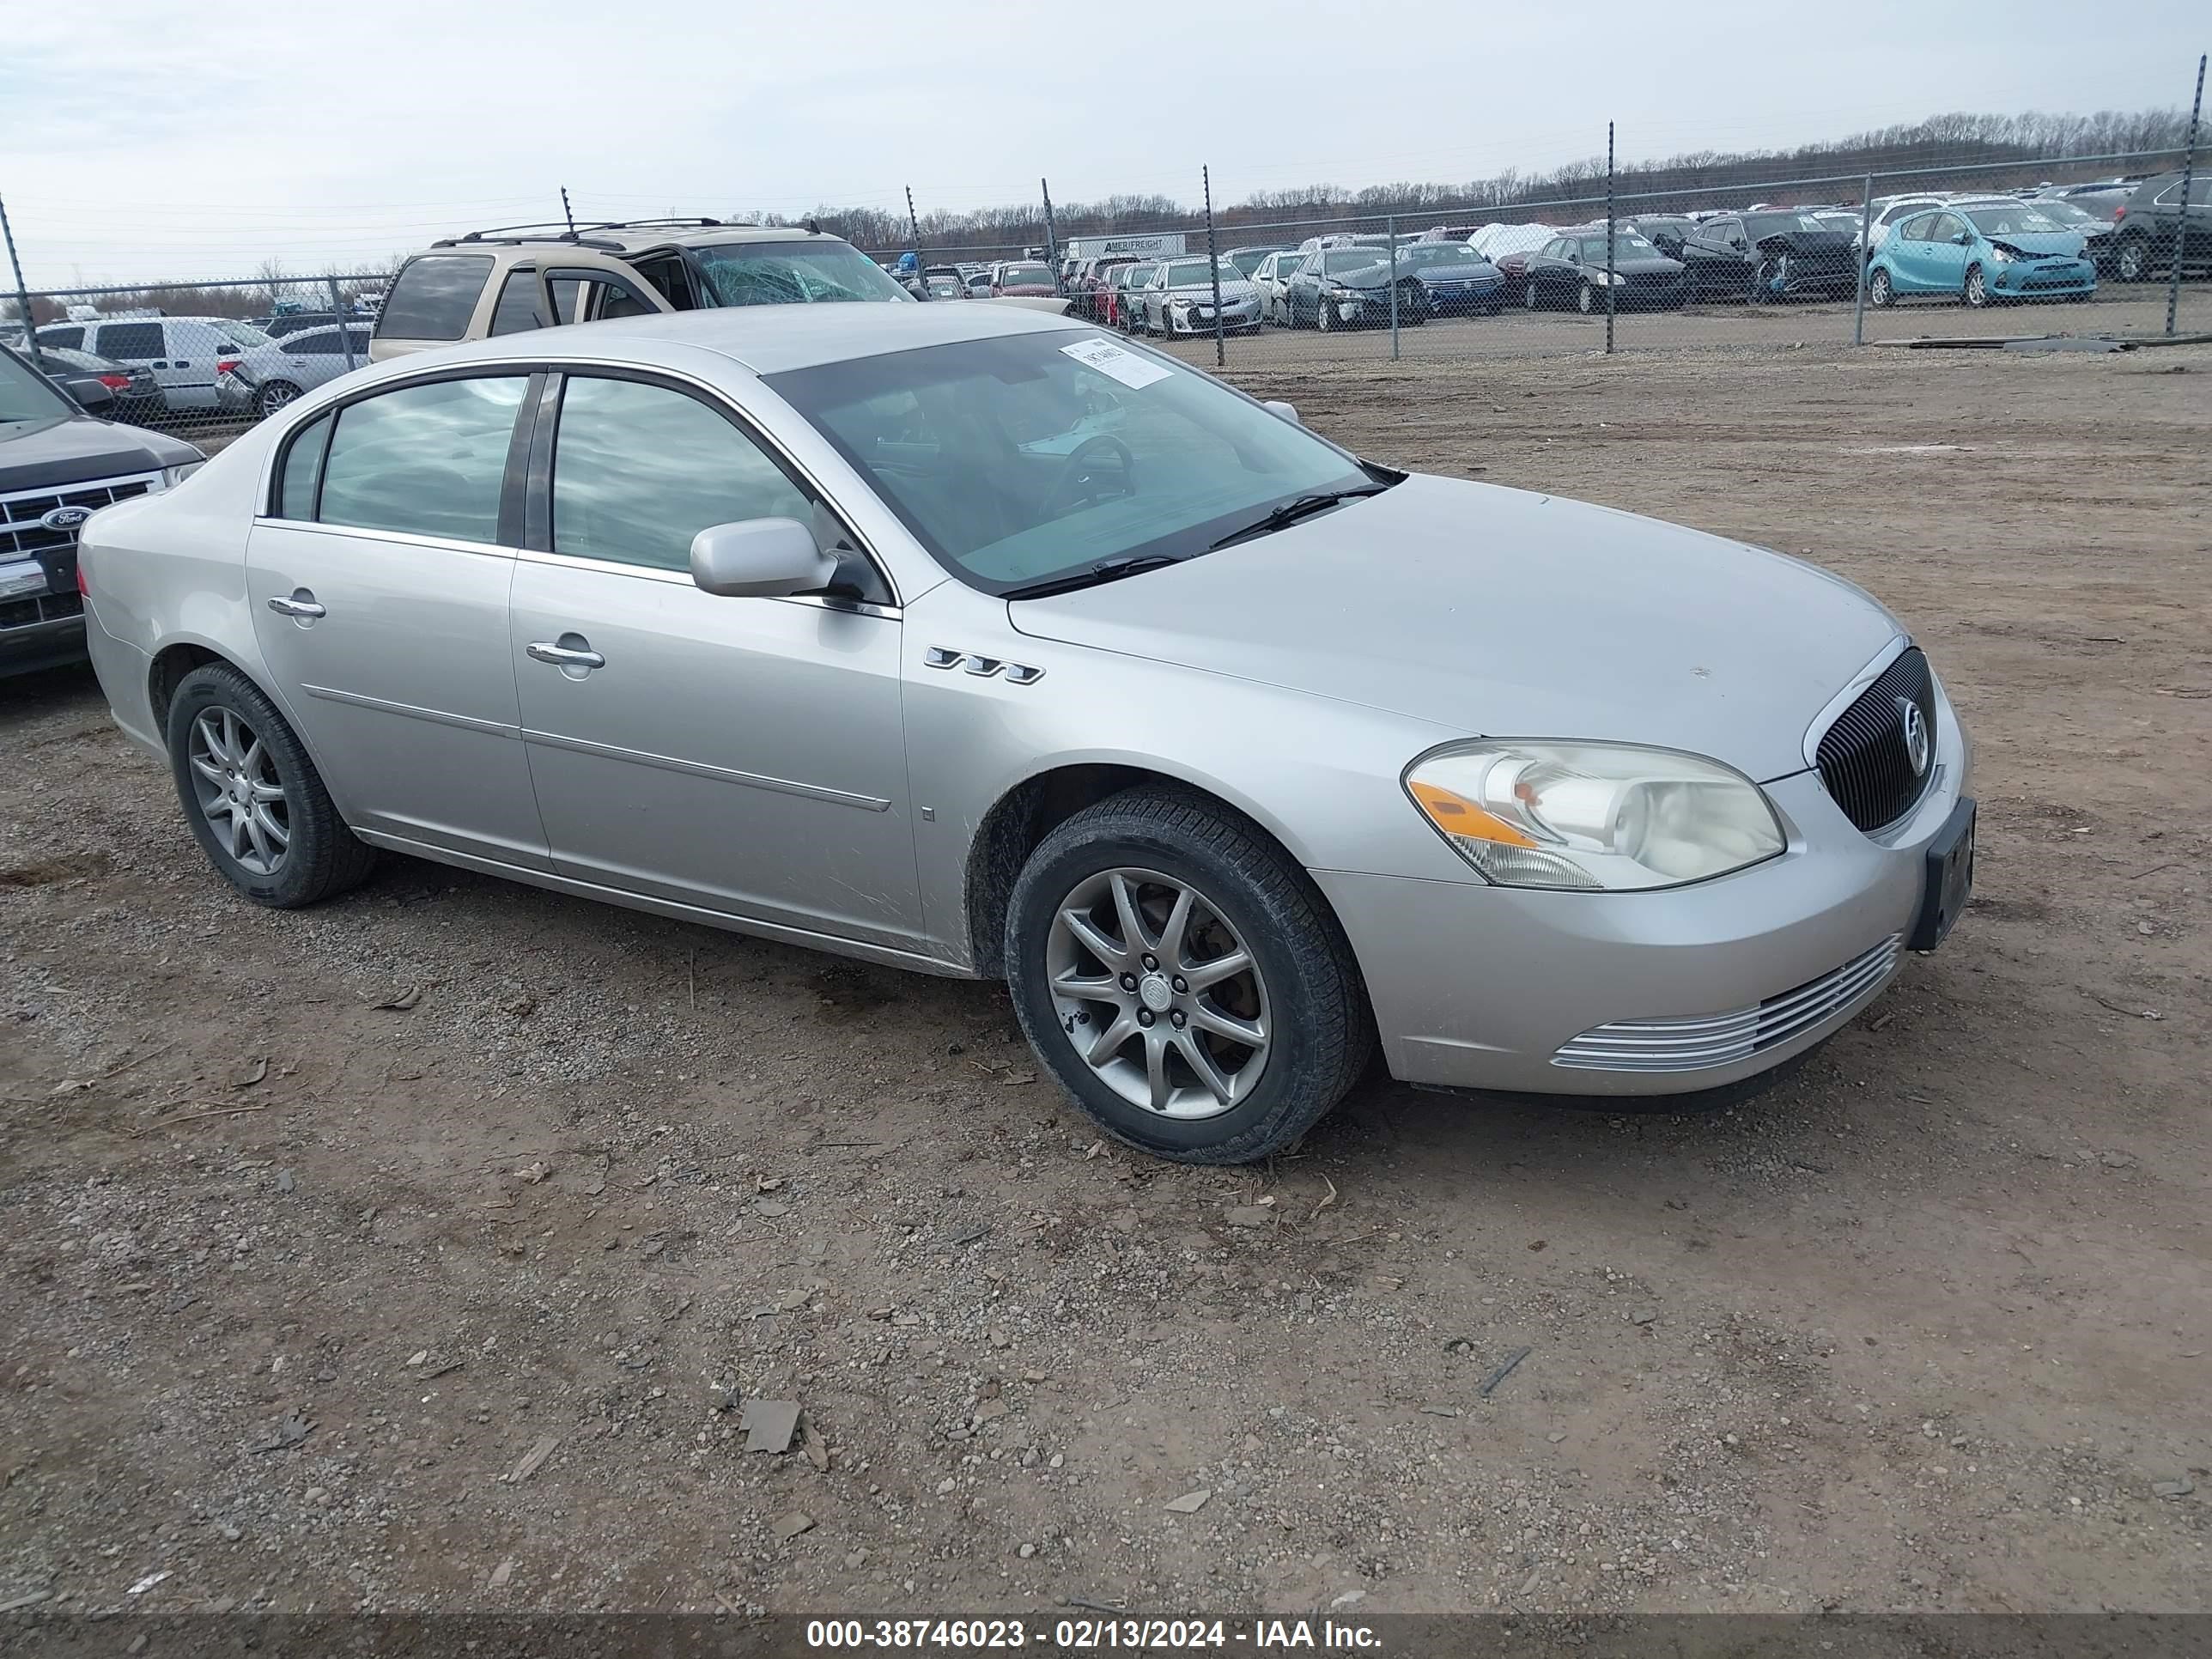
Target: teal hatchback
(1983,255)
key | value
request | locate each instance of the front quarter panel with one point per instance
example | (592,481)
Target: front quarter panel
(1321,777)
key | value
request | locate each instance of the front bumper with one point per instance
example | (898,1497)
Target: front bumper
(2043,278)
(1501,988)
(1199,320)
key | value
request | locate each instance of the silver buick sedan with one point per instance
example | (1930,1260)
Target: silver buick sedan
(977,641)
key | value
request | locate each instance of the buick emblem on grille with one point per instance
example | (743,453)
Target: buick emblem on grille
(64,517)
(1918,749)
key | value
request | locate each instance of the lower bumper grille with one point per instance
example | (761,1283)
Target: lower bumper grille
(1702,1041)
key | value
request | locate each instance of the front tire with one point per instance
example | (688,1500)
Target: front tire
(1975,294)
(1586,300)
(1324,315)
(1528,297)
(1182,979)
(254,800)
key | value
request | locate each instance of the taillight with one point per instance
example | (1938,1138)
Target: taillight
(226,366)
(116,382)
(2120,213)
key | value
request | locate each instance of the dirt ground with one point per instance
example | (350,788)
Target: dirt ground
(407,1252)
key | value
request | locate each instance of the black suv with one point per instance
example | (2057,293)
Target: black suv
(2149,225)
(59,464)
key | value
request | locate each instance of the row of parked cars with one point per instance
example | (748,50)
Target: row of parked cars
(160,369)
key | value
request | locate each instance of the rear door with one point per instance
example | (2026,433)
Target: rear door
(379,576)
(745,755)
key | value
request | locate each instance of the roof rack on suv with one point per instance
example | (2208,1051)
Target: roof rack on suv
(558,230)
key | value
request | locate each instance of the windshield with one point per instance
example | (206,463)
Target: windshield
(2065,213)
(1626,245)
(1437,254)
(2014,222)
(1026,275)
(244,333)
(1196,273)
(25,395)
(1758,226)
(1337,261)
(791,273)
(1018,458)
(1248,259)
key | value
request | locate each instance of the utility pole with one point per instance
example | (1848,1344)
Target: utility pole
(1051,244)
(1213,263)
(565,213)
(23,294)
(2188,177)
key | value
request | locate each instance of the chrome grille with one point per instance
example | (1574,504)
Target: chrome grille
(1861,756)
(1705,1040)
(21,535)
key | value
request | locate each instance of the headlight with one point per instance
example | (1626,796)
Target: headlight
(1592,817)
(174,476)
(2002,256)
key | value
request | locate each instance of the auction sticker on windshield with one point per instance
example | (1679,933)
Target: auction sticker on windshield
(1107,358)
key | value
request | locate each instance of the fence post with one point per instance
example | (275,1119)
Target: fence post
(1213,263)
(1866,258)
(2188,177)
(1612,251)
(1390,229)
(345,330)
(920,265)
(1051,244)
(23,295)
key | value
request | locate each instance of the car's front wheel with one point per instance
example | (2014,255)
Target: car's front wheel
(1976,292)
(1182,979)
(255,803)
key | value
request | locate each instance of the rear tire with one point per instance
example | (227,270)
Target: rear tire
(1880,294)
(1528,297)
(1299,990)
(2132,264)
(271,801)
(273,397)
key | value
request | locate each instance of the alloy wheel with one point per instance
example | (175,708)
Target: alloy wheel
(239,793)
(2135,260)
(275,395)
(1157,994)
(1978,291)
(1878,290)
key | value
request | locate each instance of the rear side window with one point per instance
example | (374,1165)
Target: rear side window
(639,470)
(426,461)
(70,337)
(141,341)
(434,297)
(303,464)
(516,309)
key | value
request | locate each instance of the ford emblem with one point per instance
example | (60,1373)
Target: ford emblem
(64,517)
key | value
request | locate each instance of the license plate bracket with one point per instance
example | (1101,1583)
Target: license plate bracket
(1949,881)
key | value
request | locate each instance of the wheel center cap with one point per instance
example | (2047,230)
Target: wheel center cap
(1155,993)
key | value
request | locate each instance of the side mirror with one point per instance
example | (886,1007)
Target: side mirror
(760,559)
(1288,411)
(1965,238)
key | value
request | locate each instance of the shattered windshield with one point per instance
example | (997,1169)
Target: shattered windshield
(791,273)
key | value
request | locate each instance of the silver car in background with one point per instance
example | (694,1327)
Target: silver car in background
(1178,298)
(973,641)
(266,378)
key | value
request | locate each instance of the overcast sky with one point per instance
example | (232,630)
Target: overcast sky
(141,140)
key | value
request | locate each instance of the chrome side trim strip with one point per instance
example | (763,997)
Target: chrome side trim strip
(435,716)
(701,769)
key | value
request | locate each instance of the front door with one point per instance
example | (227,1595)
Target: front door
(745,755)
(379,585)
(1942,257)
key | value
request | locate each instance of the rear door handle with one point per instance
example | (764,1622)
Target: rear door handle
(302,603)
(565,656)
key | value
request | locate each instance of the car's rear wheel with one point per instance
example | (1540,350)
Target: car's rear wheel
(253,800)
(1879,292)
(274,396)
(1977,291)
(2132,263)
(1182,980)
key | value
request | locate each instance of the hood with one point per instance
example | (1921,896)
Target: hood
(1475,271)
(1504,613)
(2039,244)
(1647,265)
(66,452)
(1231,289)
(1374,276)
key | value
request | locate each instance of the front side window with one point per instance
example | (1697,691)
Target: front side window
(121,341)
(639,470)
(426,461)
(26,395)
(1022,458)
(1943,226)
(791,273)
(434,296)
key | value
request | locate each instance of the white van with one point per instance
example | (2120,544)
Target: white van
(186,353)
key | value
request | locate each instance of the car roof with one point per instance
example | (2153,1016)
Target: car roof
(765,339)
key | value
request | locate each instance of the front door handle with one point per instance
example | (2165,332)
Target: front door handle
(564,655)
(302,603)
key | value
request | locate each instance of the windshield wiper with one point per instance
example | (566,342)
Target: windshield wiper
(1106,570)
(1297,508)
